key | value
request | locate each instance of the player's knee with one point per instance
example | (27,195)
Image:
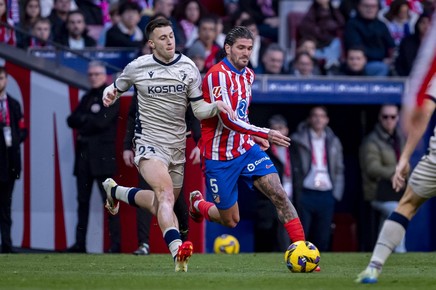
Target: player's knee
(231,223)
(166,198)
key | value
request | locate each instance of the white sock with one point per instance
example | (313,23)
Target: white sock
(121,193)
(390,236)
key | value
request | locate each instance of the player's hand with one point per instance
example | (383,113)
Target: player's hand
(278,138)
(109,96)
(263,143)
(400,176)
(195,155)
(128,158)
(223,107)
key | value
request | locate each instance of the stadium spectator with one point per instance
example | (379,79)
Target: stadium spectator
(244,160)
(31,13)
(368,31)
(207,33)
(197,53)
(47,6)
(231,6)
(77,34)
(166,8)
(58,16)
(235,19)
(259,44)
(400,20)
(265,13)
(303,65)
(409,46)
(348,8)
(325,24)
(126,33)
(13,133)
(160,145)
(322,168)
(95,154)
(189,14)
(7,32)
(379,154)
(41,35)
(114,20)
(96,12)
(355,62)
(273,60)
(269,234)
(308,45)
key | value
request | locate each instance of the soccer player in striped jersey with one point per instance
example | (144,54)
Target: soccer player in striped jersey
(233,150)
(166,81)
(421,90)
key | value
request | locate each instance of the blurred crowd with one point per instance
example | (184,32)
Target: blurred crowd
(333,37)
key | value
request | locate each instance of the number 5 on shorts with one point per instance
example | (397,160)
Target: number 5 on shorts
(213,185)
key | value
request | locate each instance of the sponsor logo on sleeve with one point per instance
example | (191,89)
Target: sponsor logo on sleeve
(216,92)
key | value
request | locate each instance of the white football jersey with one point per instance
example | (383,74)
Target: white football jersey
(163,94)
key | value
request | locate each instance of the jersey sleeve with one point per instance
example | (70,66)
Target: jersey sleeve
(218,89)
(194,89)
(125,80)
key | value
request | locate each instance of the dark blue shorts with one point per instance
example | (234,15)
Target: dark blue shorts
(222,176)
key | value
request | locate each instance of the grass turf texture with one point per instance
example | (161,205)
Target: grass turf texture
(209,271)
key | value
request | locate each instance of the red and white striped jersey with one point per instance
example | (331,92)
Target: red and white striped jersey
(221,137)
(423,70)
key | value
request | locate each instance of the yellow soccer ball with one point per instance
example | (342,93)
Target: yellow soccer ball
(226,244)
(302,257)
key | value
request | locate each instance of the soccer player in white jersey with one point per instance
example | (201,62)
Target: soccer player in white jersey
(233,149)
(422,182)
(166,81)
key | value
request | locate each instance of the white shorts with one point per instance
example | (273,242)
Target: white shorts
(423,178)
(173,158)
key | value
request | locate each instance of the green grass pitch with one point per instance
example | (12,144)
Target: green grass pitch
(208,271)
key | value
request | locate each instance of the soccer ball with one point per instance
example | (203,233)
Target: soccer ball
(302,257)
(226,244)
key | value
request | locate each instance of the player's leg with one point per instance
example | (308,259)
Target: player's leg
(271,187)
(419,189)
(221,187)
(391,234)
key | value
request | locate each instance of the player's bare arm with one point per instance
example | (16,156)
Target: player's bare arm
(270,186)
(401,173)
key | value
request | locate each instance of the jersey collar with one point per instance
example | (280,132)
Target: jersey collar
(230,65)
(170,63)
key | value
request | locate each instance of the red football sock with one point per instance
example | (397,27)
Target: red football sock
(203,208)
(295,230)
